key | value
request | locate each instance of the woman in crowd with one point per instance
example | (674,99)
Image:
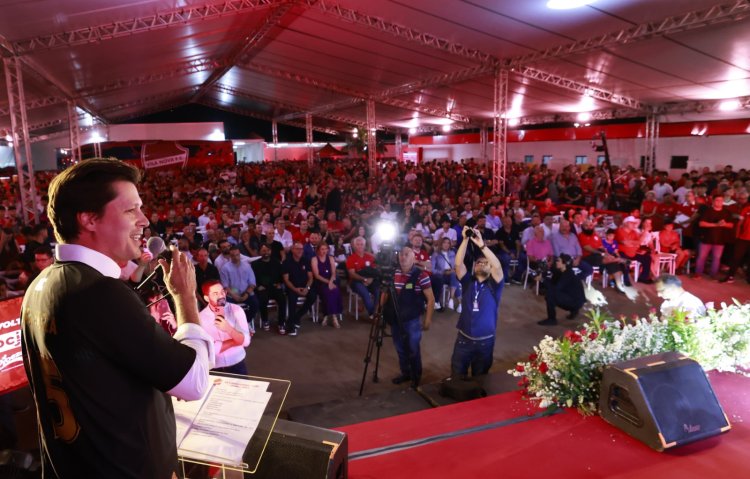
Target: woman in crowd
(444,273)
(324,271)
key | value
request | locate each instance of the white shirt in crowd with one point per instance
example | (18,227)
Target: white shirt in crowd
(686,302)
(235,316)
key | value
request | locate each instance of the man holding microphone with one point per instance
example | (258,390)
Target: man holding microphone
(227,324)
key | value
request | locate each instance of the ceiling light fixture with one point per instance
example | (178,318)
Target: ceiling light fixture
(584,117)
(567,4)
(412,130)
(446,128)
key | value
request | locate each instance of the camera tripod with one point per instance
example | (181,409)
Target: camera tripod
(377,332)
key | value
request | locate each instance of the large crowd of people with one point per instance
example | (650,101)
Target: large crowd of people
(222,218)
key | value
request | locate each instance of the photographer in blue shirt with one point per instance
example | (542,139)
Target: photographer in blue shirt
(477,322)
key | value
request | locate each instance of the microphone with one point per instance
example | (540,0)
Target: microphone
(158,249)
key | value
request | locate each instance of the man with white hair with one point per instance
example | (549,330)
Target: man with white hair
(676,299)
(361,267)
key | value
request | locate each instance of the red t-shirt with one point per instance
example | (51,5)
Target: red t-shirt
(623,237)
(421,255)
(357,262)
(589,240)
(744,229)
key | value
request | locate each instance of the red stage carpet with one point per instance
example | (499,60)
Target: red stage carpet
(564,445)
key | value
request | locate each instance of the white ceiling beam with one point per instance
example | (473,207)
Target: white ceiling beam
(285,106)
(259,116)
(247,48)
(33,103)
(405,33)
(717,14)
(334,88)
(174,71)
(186,15)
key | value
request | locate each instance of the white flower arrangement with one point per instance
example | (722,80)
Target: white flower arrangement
(567,371)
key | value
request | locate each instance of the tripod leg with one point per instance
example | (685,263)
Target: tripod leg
(368,355)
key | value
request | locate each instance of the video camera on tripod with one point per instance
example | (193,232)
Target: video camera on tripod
(386,260)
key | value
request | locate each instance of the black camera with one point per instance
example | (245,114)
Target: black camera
(469,233)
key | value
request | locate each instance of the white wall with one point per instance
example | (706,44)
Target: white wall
(166,131)
(712,151)
(249,151)
(6,157)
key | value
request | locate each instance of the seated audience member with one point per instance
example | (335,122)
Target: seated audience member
(563,290)
(43,258)
(596,255)
(298,279)
(508,247)
(676,299)
(227,324)
(445,232)
(566,242)
(282,235)
(324,271)
(38,235)
(669,242)
(204,271)
(528,232)
(162,312)
(363,280)
(268,285)
(629,242)
(444,273)
(539,251)
(238,279)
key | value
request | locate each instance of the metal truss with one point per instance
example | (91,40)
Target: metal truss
(179,16)
(573,117)
(48,136)
(309,138)
(652,140)
(178,70)
(287,106)
(500,132)
(244,50)
(336,105)
(21,142)
(724,13)
(34,103)
(698,106)
(592,91)
(399,146)
(275,138)
(483,141)
(151,99)
(402,32)
(372,143)
(252,114)
(74,132)
(334,88)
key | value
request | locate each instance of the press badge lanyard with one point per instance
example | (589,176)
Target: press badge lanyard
(478,287)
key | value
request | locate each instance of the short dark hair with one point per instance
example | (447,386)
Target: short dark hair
(206,285)
(669,280)
(85,187)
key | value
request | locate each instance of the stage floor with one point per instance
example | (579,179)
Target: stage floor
(529,445)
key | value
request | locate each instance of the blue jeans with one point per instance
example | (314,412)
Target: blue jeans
(476,354)
(703,251)
(367,294)
(406,338)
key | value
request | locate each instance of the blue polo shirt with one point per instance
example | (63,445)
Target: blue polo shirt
(483,323)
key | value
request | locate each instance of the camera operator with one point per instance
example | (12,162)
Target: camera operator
(564,290)
(413,296)
(480,299)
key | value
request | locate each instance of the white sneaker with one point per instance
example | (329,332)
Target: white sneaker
(450,304)
(437,305)
(459,309)
(325,321)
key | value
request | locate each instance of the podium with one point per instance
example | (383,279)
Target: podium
(211,431)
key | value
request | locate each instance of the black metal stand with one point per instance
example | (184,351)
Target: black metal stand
(377,332)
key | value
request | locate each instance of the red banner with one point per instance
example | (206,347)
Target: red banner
(12,373)
(167,154)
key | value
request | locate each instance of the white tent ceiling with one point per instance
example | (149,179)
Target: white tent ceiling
(422,61)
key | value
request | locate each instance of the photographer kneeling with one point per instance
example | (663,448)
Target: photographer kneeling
(564,290)
(480,299)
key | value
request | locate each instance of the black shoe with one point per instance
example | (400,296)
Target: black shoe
(727,279)
(400,379)
(646,281)
(573,314)
(547,322)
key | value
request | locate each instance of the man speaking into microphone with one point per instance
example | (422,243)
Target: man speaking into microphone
(100,368)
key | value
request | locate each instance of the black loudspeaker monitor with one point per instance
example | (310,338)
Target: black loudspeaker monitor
(663,400)
(299,451)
